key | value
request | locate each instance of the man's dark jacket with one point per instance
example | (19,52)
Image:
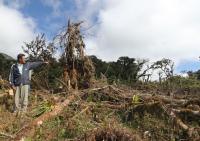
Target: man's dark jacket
(16,79)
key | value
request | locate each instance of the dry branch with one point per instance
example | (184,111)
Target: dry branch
(97,89)
(61,82)
(6,135)
(110,134)
(84,110)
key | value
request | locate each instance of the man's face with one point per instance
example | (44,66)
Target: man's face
(22,60)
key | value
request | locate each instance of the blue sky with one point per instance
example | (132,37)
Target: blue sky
(51,18)
(188,66)
(142,29)
(48,21)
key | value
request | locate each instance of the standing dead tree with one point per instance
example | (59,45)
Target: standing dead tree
(78,68)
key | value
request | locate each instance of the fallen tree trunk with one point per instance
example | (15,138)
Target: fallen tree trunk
(192,133)
(157,108)
(127,96)
(185,111)
(164,99)
(30,128)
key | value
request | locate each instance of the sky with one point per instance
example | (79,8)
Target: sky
(153,29)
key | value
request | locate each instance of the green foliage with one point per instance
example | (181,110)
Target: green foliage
(27,139)
(5,65)
(55,71)
(101,66)
(135,99)
(184,83)
(125,69)
(42,108)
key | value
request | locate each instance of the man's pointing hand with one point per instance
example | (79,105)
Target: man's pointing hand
(46,62)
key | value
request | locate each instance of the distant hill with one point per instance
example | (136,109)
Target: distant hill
(7,57)
(6,62)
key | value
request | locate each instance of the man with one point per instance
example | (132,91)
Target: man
(20,81)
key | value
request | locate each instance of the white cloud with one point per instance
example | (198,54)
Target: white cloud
(16,4)
(87,9)
(55,5)
(15,30)
(146,29)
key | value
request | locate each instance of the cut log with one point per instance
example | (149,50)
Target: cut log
(191,132)
(29,129)
(197,113)
(97,89)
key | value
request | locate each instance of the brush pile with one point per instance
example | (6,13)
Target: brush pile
(162,117)
(108,113)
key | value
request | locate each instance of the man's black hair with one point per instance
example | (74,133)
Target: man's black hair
(19,56)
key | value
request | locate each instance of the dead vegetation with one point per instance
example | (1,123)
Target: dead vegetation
(77,67)
(106,134)
(107,113)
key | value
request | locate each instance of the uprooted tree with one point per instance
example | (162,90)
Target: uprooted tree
(78,68)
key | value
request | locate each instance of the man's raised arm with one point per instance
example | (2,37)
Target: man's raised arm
(33,65)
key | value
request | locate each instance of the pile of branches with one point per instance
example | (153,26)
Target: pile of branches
(169,117)
(4,84)
(110,134)
(181,112)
